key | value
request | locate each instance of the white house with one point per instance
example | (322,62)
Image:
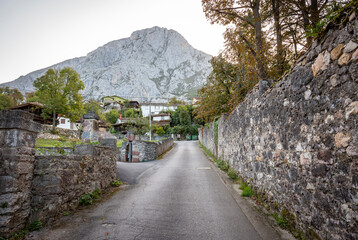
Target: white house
(161,119)
(66,123)
(155,108)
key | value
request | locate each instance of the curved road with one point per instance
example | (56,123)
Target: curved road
(177,197)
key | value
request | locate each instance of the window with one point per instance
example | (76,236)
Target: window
(63,121)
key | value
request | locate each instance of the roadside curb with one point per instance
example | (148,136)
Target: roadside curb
(264,224)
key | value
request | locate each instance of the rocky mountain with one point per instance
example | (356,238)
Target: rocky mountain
(157,63)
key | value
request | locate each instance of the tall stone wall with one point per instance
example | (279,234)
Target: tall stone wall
(17,155)
(298,142)
(60,180)
(207,138)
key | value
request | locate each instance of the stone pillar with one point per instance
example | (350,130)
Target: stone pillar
(18,135)
(90,127)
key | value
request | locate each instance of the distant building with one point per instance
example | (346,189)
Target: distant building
(161,119)
(118,103)
(36,109)
(156,108)
(67,124)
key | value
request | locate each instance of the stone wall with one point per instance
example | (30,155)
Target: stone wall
(42,187)
(60,180)
(148,151)
(207,138)
(298,142)
(17,154)
(74,134)
(91,131)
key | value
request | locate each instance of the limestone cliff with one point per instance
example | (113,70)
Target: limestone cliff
(154,62)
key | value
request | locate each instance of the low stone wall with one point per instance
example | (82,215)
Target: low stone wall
(60,180)
(298,142)
(91,131)
(74,134)
(148,151)
(42,187)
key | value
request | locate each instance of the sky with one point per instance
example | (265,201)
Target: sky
(35,34)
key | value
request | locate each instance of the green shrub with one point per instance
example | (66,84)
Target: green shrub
(223,165)
(281,221)
(247,192)
(95,194)
(4,204)
(86,199)
(232,173)
(243,185)
(116,183)
(35,225)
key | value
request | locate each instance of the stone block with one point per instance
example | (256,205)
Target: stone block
(344,59)
(84,150)
(337,51)
(7,184)
(351,46)
(342,139)
(109,142)
(16,119)
(91,115)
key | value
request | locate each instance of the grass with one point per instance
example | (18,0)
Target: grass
(20,235)
(54,143)
(232,174)
(119,143)
(281,221)
(247,192)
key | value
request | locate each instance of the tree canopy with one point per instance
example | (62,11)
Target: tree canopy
(226,87)
(262,40)
(59,91)
(10,97)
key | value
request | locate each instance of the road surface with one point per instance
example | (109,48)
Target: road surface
(177,197)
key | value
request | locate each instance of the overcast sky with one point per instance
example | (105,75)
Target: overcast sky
(35,34)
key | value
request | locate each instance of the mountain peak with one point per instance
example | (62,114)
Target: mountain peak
(152,63)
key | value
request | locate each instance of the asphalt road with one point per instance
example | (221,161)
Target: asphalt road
(177,197)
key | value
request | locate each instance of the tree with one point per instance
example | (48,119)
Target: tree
(58,91)
(5,101)
(247,18)
(10,97)
(94,106)
(226,87)
(112,116)
(130,113)
(175,101)
(159,130)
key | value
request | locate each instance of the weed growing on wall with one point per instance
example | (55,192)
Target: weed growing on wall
(247,192)
(87,198)
(116,183)
(4,204)
(35,225)
(232,174)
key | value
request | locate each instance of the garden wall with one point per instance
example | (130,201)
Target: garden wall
(60,180)
(148,151)
(298,142)
(74,134)
(42,187)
